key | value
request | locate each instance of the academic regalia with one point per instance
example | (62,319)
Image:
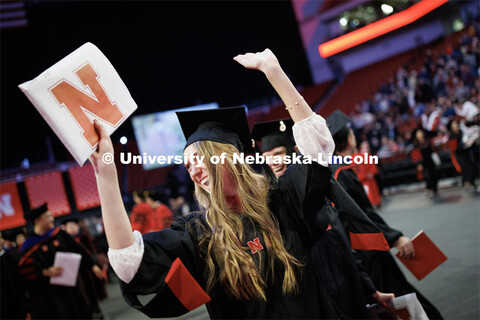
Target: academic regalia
(463,157)
(274,134)
(341,274)
(94,287)
(332,256)
(366,173)
(294,207)
(429,168)
(13,295)
(52,301)
(380,265)
(173,264)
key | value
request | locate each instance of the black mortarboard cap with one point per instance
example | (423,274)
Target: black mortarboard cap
(37,212)
(70,219)
(274,134)
(337,121)
(224,125)
(9,235)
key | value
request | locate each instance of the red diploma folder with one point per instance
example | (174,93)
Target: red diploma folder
(427,256)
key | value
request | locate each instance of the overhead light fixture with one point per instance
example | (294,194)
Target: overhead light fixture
(386,9)
(343,21)
(379,28)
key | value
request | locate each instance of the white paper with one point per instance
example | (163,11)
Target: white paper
(62,117)
(70,262)
(411,304)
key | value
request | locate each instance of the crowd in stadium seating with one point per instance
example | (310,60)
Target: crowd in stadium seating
(446,85)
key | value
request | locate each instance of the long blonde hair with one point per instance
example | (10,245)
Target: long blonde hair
(228,262)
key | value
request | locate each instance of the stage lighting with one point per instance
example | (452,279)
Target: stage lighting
(386,9)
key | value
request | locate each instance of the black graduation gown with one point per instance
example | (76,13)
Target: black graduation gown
(429,168)
(53,301)
(13,295)
(380,265)
(340,270)
(464,160)
(294,202)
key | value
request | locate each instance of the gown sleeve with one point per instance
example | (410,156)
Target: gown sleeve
(74,246)
(304,184)
(354,188)
(314,139)
(302,188)
(368,287)
(171,269)
(125,262)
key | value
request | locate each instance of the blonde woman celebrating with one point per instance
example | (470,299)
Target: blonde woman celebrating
(247,255)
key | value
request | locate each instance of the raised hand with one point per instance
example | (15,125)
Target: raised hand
(100,157)
(258,61)
(266,62)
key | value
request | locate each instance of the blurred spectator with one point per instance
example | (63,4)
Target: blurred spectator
(13,294)
(9,243)
(141,214)
(162,216)
(461,148)
(367,173)
(179,207)
(468,110)
(426,164)
(431,119)
(20,238)
(36,268)
(93,286)
(388,149)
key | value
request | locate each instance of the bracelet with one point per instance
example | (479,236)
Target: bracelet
(295,104)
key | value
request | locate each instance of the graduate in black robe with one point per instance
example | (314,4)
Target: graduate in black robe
(427,166)
(36,267)
(193,262)
(181,241)
(13,295)
(463,154)
(336,263)
(381,266)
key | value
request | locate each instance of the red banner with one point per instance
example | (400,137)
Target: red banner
(84,187)
(11,211)
(48,188)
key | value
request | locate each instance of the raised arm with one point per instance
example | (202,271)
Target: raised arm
(310,131)
(115,218)
(266,62)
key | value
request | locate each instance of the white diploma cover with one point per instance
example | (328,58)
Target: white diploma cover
(81,87)
(408,307)
(70,262)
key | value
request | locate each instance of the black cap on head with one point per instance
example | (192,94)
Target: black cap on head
(274,134)
(152,194)
(225,125)
(37,212)
(337,121)
(9,235)
(70,219)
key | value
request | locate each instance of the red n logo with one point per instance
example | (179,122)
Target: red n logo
(255,245)
(78,102)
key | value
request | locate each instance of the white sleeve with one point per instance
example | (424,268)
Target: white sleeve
(125,262)
(313,138)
